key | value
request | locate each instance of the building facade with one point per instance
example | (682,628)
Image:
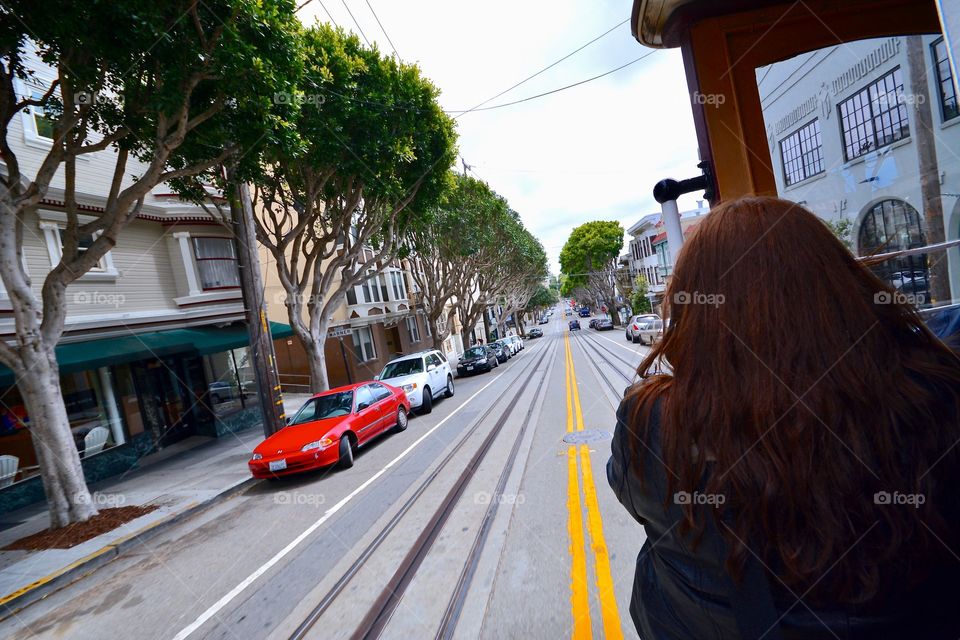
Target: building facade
(847,141)
(378,320)
(155,348)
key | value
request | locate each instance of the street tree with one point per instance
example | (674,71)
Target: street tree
(521,270)
(174,89)
(373,155)
(639,302)
(448,247)
(542,299)
(589,261)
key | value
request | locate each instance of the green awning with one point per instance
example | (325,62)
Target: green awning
(91,354)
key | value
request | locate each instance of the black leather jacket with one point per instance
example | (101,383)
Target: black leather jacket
(682,593)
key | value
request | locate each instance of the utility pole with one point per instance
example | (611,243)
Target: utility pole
(929,170)
(251,285)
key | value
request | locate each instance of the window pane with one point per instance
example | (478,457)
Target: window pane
(216,263)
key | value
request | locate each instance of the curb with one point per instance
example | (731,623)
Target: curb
(18,600)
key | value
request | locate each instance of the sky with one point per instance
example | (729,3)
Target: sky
(592,152)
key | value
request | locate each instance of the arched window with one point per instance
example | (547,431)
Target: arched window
(894,225)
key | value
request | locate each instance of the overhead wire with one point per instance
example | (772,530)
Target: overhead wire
(550,66)
(347,7)
(377,18)
(557,90)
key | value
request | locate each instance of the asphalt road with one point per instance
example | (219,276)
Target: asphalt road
(480,520)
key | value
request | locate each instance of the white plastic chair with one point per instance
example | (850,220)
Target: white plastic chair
(8,469)
(93,442)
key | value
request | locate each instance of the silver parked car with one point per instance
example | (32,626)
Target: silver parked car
(651,331)
(633,326)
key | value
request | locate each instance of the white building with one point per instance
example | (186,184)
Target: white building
(649,252)
(842,131)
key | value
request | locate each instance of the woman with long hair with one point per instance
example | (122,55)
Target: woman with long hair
(795,466)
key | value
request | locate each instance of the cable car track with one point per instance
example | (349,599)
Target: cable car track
(379,614)
(455,605)
(599,350)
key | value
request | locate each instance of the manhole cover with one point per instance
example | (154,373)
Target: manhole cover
(586,436)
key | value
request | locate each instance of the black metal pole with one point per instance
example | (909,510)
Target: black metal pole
(346,363)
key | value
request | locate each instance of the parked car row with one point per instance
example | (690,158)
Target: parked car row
(482,358)
(331,426)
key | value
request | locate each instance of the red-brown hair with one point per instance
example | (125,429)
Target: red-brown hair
(801,386)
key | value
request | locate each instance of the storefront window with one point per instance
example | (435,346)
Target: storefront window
(231,380)
(92,410)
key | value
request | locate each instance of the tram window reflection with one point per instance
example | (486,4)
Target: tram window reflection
(864,134)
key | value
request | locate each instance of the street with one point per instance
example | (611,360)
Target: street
(479,520)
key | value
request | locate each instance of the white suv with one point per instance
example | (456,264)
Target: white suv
(423,376)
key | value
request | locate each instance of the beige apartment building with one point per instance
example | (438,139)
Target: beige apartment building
(378,320)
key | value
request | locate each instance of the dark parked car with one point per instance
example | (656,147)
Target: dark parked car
(593,323)
(535,333)
(477,359)
(574,325)
(502,351)
(603,324)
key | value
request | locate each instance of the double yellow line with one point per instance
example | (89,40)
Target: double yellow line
(580,596)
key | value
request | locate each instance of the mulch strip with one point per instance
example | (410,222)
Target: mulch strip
(73,534)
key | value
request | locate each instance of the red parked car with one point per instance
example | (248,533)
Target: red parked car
(329,428)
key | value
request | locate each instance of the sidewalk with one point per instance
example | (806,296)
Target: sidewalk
(180,480)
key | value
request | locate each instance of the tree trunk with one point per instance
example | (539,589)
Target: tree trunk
(929,170)
(66,489)
(317,360)
(34,362)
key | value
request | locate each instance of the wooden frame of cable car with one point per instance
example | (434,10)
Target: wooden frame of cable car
(724,41)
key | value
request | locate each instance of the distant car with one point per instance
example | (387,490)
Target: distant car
(535,333)
(585,313)
(603,324)
(221,391)
(568,312)
(477,359)
(514,344)
(424,375)
(544,320)
(574,325)
(633,326)
(502,351)
(329,428)
(506,344)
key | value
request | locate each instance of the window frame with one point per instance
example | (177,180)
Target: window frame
(937,62)
(801,174)
(413,328)
(198,260)
(359,349)
(866,102)
(101,266)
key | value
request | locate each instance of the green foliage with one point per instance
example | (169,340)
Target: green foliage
(842,228)
(542,298)
(132,71)
(591,247)
(639,301)
(370,136)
